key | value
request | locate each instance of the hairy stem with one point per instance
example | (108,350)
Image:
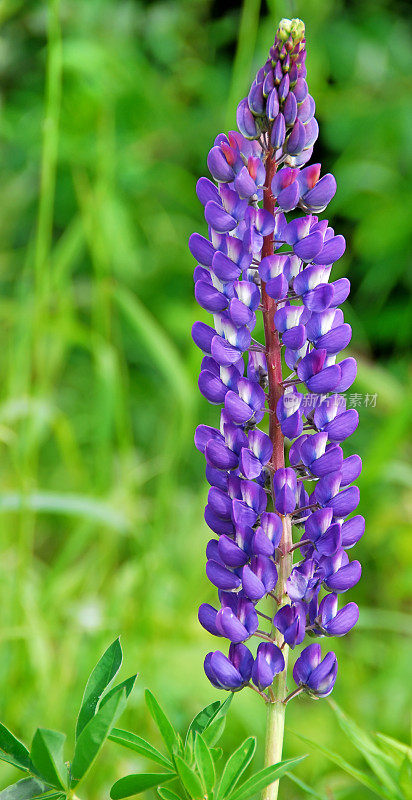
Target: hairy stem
(276,709)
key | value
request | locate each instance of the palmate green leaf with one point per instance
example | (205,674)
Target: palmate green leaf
(47,757)
(13,750)
(95,733)
(168,794)
(133,742)
(354,772)
(166,728)
(134,784)
(204,761)
(103,673)
(127,684)
(376,758)
(203,718)
(189,779)
(207,715)
(27,789)
(235,767)
(214,731)
(261,779)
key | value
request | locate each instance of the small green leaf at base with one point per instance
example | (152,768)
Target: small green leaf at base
(235,767)
(204,761)
(163,723)
(94,734)
(26,789)
(47,757)
(189,779)
(203,718)
(133,742)
(103,673)
(261,779)
(167,794)
(134,784)
(12,750)
(127,685)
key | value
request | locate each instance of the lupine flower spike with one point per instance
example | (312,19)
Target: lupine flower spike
(268,254)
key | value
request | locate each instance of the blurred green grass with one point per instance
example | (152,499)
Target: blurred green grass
(101,491)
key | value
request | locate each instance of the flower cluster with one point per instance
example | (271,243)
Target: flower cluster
(253,498)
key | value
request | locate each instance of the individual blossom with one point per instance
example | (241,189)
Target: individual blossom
(315,675)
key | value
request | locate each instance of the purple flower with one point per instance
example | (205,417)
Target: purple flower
(231,672)
(314,675)
(259,263)
(328,621)
(290,620)
(269,662)
(285,486)
(304,581)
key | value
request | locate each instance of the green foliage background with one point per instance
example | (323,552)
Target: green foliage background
(101,490)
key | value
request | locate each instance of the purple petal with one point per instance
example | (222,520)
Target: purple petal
(230,626)
(296,140)
(269,662)
(308,660)
(252,585)
(295,337)
(218,218)
(246,121)
(223,352)
(317,199)
(203,434)
(256,101)
(224,268)
(206,190)
(277,287)
(308,247)
(325,381)
(212,387)
(210,298)
(335,340)
(348,368)
(221,577)
(345,502)
(231,554)
(342,426)
(332,250)
(207,618)
(217,524)
(341,289)
(201,249)
(290,109)
(220,503)
(344,620)
(221,672)
(277,136)
(219,456)
(351,469)
(345,578)
(272,526)
(250,466)
(202,336)
(218,166)
(330,462)
(272,105)
(244,184)
(352,530)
